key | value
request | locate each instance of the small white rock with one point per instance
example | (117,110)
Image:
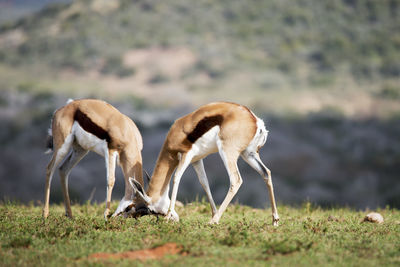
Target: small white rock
(373,217)
(179,204)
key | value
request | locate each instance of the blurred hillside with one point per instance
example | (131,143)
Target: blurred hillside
(14,9)
(325,76)
(275,56)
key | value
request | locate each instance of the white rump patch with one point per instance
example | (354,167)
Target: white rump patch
(259,138)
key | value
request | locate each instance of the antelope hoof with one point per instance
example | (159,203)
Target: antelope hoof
(275,221)
(172,216)
(116,214)
(45,214)
(107,215)
(214,220)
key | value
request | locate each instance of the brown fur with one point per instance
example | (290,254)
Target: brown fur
(101,115)
(89,126)
(107,123)
(203,126)
(238,127)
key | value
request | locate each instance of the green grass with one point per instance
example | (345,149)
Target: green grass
(307,236)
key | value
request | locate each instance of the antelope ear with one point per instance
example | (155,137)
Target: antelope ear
(139,191)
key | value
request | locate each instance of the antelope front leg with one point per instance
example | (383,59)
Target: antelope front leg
(230,162)
(183,164)
(110,163)
(129,194)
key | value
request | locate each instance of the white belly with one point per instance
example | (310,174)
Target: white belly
(89,141)
(206,144)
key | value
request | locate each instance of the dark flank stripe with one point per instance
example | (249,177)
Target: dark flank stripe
(88,125)
(204,126)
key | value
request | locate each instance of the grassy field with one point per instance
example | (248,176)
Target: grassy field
(307,235)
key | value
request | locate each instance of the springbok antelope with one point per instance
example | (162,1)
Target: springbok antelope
(93,125)
(232,130)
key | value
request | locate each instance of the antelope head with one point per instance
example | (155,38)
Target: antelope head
(141,205)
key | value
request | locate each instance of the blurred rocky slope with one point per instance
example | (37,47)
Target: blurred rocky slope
(323,157)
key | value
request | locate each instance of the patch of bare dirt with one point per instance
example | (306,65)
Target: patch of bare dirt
(168,61)
(157,77)
(104,6)
(12,38)
(144,254)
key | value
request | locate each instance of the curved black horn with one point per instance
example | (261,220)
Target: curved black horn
(147,175)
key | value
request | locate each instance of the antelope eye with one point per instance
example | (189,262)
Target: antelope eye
(127,209)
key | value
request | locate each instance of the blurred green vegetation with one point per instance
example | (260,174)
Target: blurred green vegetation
(114,65)
(362,36)
(275,56)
